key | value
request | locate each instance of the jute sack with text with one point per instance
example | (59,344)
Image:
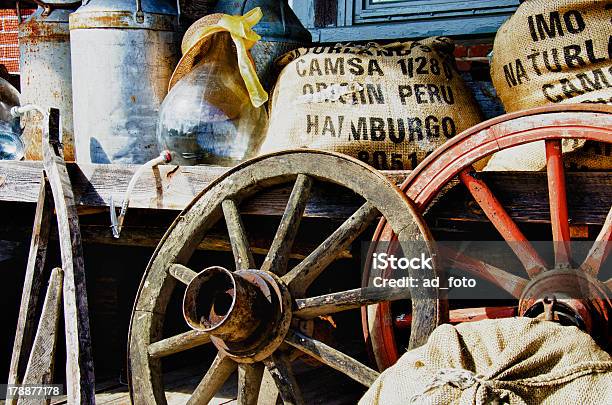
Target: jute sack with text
(554,52)
(388,105)
(506,361)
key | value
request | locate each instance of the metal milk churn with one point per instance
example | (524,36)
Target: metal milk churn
(44,63)
(123,54)
(280,30)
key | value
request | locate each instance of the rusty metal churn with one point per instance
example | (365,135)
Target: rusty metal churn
(123,54)
(44,64)
(280,30)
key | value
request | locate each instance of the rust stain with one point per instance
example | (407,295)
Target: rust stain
(33,32)
(2,180)
(133,98)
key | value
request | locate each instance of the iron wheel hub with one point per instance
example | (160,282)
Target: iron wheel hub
(247,312)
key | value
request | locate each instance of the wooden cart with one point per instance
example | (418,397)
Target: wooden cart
(261,314)
(254,315)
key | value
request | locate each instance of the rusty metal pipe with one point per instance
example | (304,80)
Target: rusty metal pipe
(227,305)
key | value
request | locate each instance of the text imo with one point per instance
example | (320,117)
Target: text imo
(383,261)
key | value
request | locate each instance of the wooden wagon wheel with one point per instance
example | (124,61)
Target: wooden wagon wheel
(250,314)
(455,160)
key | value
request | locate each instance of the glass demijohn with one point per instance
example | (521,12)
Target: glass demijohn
(208,117)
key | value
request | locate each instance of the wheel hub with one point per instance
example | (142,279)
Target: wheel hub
(247,313)
(570,297)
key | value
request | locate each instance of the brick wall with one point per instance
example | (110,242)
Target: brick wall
(9,49)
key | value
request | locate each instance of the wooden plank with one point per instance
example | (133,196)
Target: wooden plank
(166,187)
(32,284)
(79,362)
(42,358)
(524,195)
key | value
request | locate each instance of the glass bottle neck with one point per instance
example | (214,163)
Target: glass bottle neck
(220,49)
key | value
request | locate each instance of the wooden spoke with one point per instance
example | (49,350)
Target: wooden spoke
(279,367)
(238,239)
(404,321)
(219,371)
(178,343)
(559,216)
(268,392)
(249,381)
(609,284)
(600,249)
(309,308)
(509,282)
(278,255)
(333,358)
(302,275)
(182,273)
(504,224)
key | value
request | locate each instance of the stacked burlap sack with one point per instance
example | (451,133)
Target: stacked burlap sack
(507,361)
(554,52)
(387,105)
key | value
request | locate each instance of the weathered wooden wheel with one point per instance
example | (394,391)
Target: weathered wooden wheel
(250,314)
(545,282)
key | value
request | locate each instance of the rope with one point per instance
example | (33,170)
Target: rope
(455,377)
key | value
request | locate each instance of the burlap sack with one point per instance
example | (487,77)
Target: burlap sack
(507,361)
(388,105)
(553,52)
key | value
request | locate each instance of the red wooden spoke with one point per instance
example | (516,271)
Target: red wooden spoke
(404,321)
(601,248)
(509,282)
(559,216)
(504,224)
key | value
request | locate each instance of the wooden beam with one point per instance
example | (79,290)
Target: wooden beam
(42,358)
(165,187)
(524,194)
(32,284)
(79,362)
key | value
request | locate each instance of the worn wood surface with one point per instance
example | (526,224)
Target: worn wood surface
(182,273)
(523,194)
(213,380)
(243,255)
(303,275)
(333,358)
(42,357)
(312,307)
(279,367)
(249,381)
(175,344)
(278,255)
(32,284)
(79,362)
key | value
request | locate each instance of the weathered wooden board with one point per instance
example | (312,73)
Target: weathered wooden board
(523,194)
(32,284)
(42,358)
(79,362)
